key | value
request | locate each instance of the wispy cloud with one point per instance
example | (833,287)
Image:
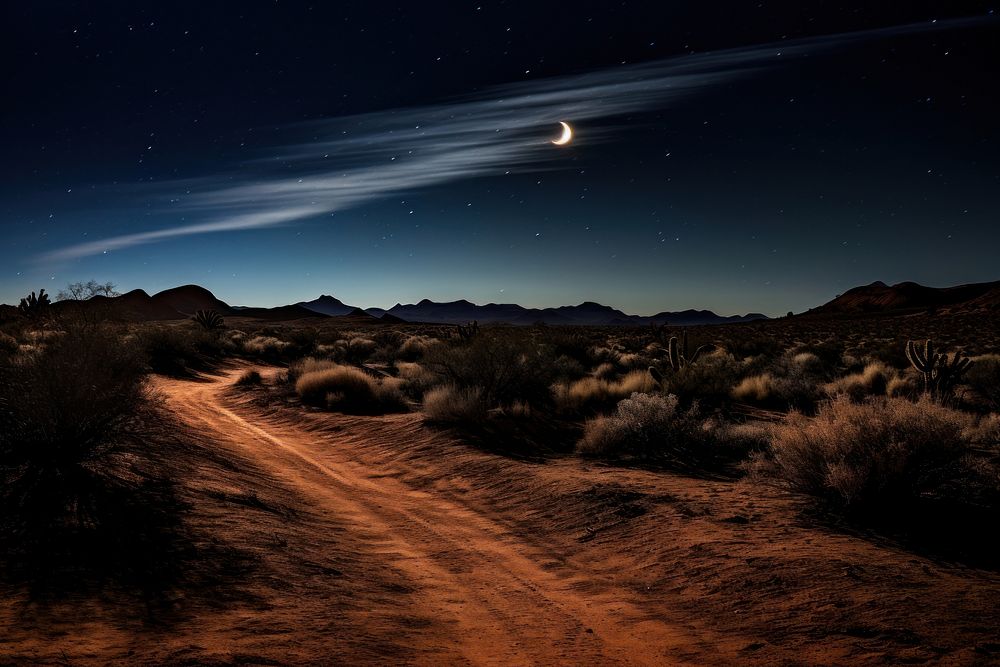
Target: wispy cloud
(362,158)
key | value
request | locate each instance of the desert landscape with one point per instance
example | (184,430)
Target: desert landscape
(499,333)
(222,489)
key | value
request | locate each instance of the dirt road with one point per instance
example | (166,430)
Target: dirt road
(488,596)
(333,539)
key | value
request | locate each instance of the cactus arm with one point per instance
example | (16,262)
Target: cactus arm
(673,355)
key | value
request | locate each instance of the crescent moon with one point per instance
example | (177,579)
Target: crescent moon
(567,134)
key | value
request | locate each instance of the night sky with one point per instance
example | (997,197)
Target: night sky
(751,156)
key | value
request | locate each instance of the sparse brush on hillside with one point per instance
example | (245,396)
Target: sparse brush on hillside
(349,390)
(871,455)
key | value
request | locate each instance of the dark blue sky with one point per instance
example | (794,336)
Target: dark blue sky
(388,153)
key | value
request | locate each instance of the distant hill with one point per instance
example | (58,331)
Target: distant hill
(328,305)
(586,313)
(177,303)
(189,299)
(279,313)
(909,296)
(184,301)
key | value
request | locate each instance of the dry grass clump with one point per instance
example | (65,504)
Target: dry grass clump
(414,347)
(606,371)
(265,346)
(591,394)
(250,378)
(873,380)
(985,432)
(451,405)
(361,348)
(755,388)
(8,344)
(346,389)
(904,386)
(867,455)
(415,379)
(984,379)
(807,360)
(648,426)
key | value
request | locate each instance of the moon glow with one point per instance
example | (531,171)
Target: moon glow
(567,134)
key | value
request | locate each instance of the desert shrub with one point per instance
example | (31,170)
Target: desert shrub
(870,455)
(573,345)
(413,348)
(708,381)
(349,390)
(872,381)
(265,347)
(806,360)
(336,350)
(301,341)
(905,385)
(450,405)
(507,366)
(744,438)
(606,371)
(170,350)
(309,365)
(648,426)
(633,360)
(8,344)
(567,369)
(986,431)
(590,394)
(416,380)
(64,412)
(250,378)
(755,388)
(984,379)
(359,349)
(754,345)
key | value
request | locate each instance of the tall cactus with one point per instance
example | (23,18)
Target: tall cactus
(34,306)
(468,331)
(940,372)
(677,352)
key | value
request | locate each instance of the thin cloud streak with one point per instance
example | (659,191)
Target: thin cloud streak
(362,158)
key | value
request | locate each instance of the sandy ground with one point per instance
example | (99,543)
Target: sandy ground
(377,540)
